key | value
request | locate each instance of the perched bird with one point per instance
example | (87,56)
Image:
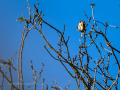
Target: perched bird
(81,27)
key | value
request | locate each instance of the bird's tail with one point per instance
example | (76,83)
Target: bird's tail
(81,34)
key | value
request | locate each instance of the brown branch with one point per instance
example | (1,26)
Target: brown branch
(8,79)
(68,85)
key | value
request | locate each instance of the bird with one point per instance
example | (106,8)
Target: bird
(82,27)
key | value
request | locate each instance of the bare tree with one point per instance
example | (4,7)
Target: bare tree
(83,70)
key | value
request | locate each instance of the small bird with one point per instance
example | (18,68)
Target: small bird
(81,27)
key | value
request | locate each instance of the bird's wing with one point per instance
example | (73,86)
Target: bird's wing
(79,28)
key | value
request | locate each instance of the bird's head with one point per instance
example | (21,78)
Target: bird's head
(81,23)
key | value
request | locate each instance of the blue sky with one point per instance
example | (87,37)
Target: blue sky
(57,13)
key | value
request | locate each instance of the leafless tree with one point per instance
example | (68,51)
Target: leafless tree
(83,70)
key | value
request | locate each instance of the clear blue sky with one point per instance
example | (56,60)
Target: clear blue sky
(57,13)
